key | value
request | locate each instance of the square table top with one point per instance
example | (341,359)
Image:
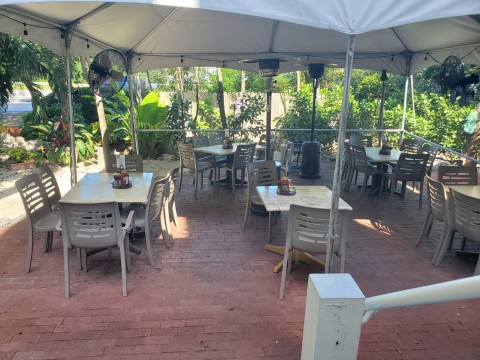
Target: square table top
(97,187)
(315,196)
(218,149)
(373,154)
(469,190)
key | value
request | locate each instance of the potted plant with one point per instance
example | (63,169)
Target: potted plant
(21,159)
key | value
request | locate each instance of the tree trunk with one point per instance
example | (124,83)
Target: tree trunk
(299,80)
(137,88)
(103,128)
(100,113)
(474,141)
(179,76)
(220,99)
(243,84)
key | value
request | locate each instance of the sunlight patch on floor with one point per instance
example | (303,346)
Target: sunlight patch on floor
(376,225)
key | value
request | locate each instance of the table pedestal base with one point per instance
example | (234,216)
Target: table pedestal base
(297,255)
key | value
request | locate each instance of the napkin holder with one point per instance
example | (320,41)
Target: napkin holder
(285,186)
(121,180)
(385,150)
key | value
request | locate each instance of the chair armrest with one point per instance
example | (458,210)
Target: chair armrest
(128,222)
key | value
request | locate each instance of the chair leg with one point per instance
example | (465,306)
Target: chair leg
(195,179)
(423,232)
(174,213)
(168,226)
(284,271)
(245,216)
(365,180)
(180,180)
(163,229)
(234,175)
(447,235)
(149,244)
(66,271)
(126,247)
(348,178)
(429,227)
(124,267)
(47,245)
(420,198)
(29,250)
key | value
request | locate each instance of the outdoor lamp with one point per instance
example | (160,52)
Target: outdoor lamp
(384,77)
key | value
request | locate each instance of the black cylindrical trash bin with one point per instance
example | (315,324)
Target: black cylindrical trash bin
(310,160)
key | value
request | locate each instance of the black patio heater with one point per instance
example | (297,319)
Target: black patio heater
(268,68)
(383,78)
(311,149)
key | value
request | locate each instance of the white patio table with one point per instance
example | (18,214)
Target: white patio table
(313,196)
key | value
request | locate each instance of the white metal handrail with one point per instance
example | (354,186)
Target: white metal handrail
(462,289)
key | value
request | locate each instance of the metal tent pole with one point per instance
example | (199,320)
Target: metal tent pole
(338,163)
(71,120)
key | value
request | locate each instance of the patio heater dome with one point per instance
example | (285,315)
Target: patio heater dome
(268,67)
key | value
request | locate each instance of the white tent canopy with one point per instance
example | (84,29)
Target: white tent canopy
(400,37)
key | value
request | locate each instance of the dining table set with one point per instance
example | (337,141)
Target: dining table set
(88,215)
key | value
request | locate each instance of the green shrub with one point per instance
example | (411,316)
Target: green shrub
(21,155)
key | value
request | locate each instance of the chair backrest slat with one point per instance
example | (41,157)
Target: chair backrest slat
(359,158)
(157,198)
(216,139)
(458,175)
(91,226)
(467,215)
(50,185)
(200,141)
(34,197)
(410,146)
(437,198)
(411,167)
(187,156)
(243,155)
(360,140)
(308,229)
(432,150)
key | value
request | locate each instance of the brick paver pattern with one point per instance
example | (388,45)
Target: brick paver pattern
(213,294)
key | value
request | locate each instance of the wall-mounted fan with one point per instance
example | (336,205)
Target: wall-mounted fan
(108,67)
(453,80)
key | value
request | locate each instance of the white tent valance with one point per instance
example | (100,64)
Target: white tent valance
(400,37)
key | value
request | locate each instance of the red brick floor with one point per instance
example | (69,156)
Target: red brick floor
(214,295)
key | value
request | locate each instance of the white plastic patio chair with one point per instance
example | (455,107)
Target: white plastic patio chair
(94,226)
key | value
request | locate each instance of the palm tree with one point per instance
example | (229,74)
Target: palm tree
(24,61)
(6,66)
